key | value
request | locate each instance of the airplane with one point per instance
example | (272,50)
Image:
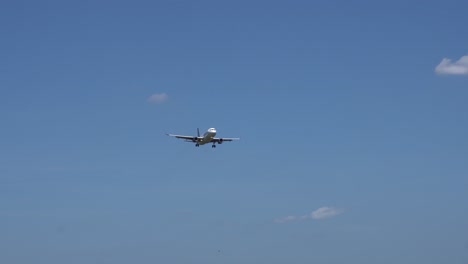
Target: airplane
(208,137)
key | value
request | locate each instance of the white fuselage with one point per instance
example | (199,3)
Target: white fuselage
(208,136)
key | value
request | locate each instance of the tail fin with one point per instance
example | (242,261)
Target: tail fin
(198,132)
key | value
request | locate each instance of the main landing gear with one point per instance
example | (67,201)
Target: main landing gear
(197,145)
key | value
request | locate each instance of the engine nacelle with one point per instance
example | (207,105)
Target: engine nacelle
(220,141)
(194,139)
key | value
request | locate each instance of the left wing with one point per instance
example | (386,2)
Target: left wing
(221,140)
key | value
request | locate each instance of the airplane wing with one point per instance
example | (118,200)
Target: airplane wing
(221,140)
(187,138)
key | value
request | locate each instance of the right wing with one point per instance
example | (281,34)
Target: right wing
(187,138)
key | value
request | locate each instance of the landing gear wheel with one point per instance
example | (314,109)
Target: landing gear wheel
(197,145)
(213,146)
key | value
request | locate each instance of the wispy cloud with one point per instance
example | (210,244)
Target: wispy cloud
(446,66)
(325,212)
(319,214)
(158,98)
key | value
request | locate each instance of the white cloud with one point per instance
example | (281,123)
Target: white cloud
(325,212)
(158,98)
(446,66)
(319,214)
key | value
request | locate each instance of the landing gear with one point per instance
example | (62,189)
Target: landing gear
(213,146)
(197,145)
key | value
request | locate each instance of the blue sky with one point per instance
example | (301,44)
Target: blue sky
(352,118)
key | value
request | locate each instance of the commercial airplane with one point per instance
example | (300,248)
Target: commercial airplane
(208,137)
